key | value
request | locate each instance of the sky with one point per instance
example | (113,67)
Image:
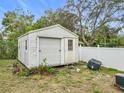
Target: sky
(36,7)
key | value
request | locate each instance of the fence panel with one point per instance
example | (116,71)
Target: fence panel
(110,57)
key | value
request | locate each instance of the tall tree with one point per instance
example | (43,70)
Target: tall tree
(93,14)
(17,21)
(15,24)
(60,16)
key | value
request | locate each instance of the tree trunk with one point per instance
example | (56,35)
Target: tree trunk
(82,34)
(83,38)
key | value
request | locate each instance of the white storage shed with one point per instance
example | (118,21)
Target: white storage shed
(56,44)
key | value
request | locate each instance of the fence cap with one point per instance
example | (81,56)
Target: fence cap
(119,74)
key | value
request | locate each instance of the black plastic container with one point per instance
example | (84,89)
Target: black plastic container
(119,81)
(94,64)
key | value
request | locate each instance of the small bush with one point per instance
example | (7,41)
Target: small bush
(51,70)
(43,69)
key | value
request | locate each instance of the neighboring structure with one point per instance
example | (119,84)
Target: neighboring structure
(56,44)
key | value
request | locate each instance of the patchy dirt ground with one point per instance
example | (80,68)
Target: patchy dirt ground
(66,80)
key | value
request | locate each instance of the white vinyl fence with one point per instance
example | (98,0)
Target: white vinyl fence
(110,57)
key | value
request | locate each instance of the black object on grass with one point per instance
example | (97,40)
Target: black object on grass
(94,64)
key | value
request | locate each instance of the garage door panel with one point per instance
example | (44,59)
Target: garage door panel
(49,49)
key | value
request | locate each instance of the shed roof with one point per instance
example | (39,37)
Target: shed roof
(49,27)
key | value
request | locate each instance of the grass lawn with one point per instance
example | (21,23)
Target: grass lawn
(64,81)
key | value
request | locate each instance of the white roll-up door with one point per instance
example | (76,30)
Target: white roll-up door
(50,49)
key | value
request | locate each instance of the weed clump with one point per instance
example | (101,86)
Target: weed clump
(43,69)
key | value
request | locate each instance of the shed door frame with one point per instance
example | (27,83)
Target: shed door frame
(61,47)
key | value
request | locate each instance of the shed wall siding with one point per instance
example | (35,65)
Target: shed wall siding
(23,55)
(76,50)
(62,52)
(33,50)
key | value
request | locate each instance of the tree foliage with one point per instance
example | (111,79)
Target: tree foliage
(15,24)
(93,14)
(17,21)
(60,16)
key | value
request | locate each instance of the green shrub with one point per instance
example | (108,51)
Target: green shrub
(42,69)
(51,70)
(8,49)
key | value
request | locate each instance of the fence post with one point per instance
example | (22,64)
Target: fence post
(80,52)
(98,52)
